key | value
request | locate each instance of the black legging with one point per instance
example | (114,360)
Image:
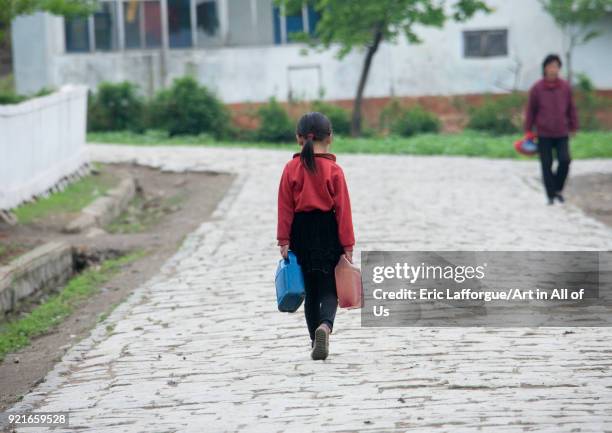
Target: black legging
(554,181)
(321,300)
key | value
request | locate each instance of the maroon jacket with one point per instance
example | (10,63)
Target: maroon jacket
(551,109)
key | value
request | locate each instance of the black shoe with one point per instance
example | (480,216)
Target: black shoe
(551,201)
(320,349)
(559,197)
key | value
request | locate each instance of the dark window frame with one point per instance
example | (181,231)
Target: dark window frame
(485,45)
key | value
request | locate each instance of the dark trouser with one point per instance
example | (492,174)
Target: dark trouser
(321,300)
(314,239)
(554,181)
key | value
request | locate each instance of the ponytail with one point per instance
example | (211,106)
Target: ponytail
(312,126)
(307,155)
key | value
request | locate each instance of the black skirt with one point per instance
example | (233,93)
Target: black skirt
(314,240)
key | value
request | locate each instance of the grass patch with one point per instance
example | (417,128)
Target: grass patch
(7,84)
(589,144)
(72,199)
(142,214)
(18,333)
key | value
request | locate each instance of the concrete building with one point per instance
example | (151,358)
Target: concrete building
(242,49)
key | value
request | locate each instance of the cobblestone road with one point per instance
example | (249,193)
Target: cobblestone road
(202,347)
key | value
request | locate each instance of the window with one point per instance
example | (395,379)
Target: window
(96,32)
(105,27)
(142,24)
(207,22)
(131,28)
(152,24)
(285,25)
(485,43)
(206,12)
(179,23)
(77,34)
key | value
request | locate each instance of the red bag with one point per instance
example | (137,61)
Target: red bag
(348,284)
(526,145)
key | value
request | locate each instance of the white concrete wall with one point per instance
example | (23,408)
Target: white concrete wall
(41,141)
(436,67)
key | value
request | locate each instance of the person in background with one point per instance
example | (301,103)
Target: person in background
(551,110)
(315,222)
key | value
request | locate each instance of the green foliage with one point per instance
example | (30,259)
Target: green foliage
(501,115)
(407,122)
(577,13)
(352,24)
(188,108)
(275,124)
(17,334)
(9,9)
(9,96)
(75,197)
(115,107)
(414,121)
(390,114)
(339,117)
(587,104)
(467,143)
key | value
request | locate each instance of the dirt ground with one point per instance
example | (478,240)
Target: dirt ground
(171,206)
(593,194)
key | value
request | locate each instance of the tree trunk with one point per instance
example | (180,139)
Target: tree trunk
(356,120)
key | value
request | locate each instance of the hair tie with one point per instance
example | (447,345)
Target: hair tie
(310,135)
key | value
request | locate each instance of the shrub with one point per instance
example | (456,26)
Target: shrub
(275,124)
(498,116)
(10,97)
(339,117)
(115,107)
(587,104)
(415,121)
(390,114)
(188,108)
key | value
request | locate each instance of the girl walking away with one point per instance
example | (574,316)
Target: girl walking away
(315,222)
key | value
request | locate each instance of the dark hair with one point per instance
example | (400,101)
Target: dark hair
(312,127)
(548,60)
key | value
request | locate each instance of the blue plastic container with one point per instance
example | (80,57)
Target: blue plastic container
(289,284)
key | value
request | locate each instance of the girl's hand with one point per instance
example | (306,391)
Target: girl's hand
(349,255)
(284,251)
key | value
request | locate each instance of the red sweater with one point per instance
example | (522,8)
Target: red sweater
(300,190)
(551,109)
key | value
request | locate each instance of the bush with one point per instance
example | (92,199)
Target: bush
(498,116)
(390,114)
(10,97)
(587,104)
(339,117)
(115,107)
(415,121)
(275,124)
(188,108)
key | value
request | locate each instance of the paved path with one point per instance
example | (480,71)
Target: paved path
(202,348)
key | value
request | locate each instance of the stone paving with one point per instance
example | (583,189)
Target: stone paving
(202,348)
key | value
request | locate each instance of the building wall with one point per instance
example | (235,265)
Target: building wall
(256,72)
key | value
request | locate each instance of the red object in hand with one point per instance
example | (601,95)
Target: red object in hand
(348,284)
(526,145)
